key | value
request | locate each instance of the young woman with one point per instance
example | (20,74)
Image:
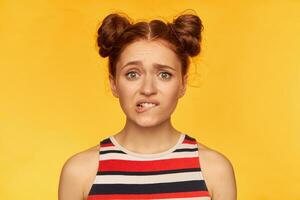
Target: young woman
(148,158)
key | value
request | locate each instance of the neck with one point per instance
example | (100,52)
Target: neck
(153,139)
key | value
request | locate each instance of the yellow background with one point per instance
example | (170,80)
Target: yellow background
(244,102)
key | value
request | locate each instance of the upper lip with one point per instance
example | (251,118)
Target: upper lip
(147,101)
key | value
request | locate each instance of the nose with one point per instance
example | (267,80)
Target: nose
(148,86)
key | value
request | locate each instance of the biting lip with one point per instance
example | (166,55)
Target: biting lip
(144,108)
(147,101)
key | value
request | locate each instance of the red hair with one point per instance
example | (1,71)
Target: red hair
(183,36)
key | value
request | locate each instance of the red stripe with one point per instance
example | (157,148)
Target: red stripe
(107,145)
(187,141)
(145,165)
(149,196)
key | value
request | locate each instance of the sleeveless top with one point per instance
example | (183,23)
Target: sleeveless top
(172,174)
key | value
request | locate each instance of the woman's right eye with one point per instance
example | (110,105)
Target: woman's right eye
(129,74)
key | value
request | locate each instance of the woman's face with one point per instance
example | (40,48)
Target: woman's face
(148,71)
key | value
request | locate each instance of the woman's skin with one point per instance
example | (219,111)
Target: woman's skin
(150,131)
(141,73)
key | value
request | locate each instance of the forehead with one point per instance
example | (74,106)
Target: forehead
(149,52)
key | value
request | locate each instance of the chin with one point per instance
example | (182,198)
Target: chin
(149,121)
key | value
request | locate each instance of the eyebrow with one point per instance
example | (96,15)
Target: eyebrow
(156,65)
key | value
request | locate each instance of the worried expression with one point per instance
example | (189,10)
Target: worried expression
(148,82)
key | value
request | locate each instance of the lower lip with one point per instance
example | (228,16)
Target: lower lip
(144,109)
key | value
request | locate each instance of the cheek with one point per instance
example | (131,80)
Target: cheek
(169,98)
(170,92)
(126,95)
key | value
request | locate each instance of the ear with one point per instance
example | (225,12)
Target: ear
(183,88)
(113,86)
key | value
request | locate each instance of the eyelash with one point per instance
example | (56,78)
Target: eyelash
(169,74)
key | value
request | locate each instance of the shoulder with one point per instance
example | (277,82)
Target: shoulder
(77,172)
(218,173)
(81,160)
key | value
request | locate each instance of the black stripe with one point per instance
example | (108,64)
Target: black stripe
(187,137)
(182,186)
(186,150)
(111,151)
(122,152)
(148,172)
(105,141)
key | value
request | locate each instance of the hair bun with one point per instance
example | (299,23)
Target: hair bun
(111,28)
(188,28)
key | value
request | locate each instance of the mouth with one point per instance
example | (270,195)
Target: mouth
(142,107)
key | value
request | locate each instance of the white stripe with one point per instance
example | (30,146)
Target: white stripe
(181,146)
(145,179)
(119,156)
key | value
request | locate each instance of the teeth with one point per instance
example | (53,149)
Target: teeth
(147,105)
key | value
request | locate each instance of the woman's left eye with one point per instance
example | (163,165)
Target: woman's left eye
(166,74)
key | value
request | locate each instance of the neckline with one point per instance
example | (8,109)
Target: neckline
(148,155)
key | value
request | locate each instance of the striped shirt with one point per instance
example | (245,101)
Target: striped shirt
(173,174)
